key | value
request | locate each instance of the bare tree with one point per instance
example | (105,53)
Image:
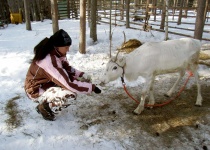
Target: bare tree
(135,5)
(127,13)
(163,15)
(88,12)
(93,29)
(4,11)
(122,9)
(35,10)
(166,21)
(200,20)
(82,39)
(206,10)
(40,8)
(180,12)
(54,13)
(27,15)
(110,29)
(155,9)
(174,10)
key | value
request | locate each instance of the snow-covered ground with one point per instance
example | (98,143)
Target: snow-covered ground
(100,122)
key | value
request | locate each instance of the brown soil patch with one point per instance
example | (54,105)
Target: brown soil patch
(176,120)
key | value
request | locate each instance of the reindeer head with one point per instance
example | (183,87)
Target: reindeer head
(114,69)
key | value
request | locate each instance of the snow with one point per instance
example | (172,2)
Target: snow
(69,130)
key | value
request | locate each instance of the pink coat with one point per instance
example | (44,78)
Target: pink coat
(54,70)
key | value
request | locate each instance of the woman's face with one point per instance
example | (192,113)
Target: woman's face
(63,50)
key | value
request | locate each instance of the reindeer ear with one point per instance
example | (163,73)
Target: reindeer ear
(121,61)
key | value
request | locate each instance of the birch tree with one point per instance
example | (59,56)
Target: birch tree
(166,21)
(54,13)
(27,15)
(82,39)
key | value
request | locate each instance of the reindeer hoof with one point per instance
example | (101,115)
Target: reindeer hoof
(198,105)
(199,101)
(135,113)
(149,107)
(166,95)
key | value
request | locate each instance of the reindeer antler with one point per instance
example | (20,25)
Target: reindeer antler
(124,37)
(116,56)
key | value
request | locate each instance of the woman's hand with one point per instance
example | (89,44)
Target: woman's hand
(85,78)
(97,90)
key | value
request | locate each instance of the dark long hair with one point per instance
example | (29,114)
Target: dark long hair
(42,49)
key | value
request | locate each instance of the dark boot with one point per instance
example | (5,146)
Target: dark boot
(45,111)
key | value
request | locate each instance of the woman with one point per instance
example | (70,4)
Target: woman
(50,80)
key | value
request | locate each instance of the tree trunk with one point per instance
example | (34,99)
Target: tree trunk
(122,10)
(4,12)
(135,5)
(110,30)
(110,22)
(47,9)
(186,5)
(54,13)
(200,19)
(163,15)
(93,29)
(155,9)
(206,10)
(41,7)
(68,9)
(35,11)
(127,14)
(174,10)
(89,13)
(27,15)
(82,39)
(166,21)
(180,12)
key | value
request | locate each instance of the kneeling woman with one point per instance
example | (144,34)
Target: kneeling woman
(50,80)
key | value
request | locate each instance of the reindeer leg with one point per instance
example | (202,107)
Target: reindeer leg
(181,74)
(199,97)
(151,95)
(140,107)
(195,73)
(145,90)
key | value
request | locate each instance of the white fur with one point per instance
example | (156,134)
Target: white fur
(155,58)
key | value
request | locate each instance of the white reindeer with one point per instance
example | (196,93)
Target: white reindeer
(155,58)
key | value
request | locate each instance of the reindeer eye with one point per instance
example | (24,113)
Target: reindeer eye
(114,68)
